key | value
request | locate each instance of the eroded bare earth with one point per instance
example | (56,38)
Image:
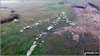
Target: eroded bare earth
(87,21)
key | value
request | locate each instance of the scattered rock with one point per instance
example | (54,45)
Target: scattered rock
(31,49)
(15,20)
(72,24)
(76,37)
(49,28)
(21,31)
(37,23)
(27,27)
(42,41)
(37,38)
(34,42)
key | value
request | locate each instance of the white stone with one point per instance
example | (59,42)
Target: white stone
(40,35)
(24,28)
(27,27)
(67,21)
(15,20)
(31,49)
(42,41)
(64,17)
(37,38)
(34,42)
(50,27)
(36,23)
(28,53)
(44,33)
(21,30)
(58,18)
(63,13)
(72,24)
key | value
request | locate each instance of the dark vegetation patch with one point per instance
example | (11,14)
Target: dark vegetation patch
(10,18)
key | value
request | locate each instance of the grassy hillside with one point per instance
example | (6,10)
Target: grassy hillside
(15,43)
